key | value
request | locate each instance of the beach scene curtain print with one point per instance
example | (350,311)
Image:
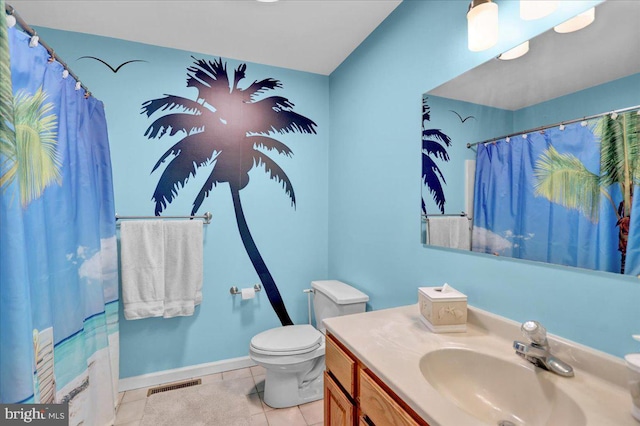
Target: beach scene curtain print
(564,196)
(58,275)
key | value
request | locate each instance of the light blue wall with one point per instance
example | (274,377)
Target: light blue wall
(374,209)
(621,93)
(292,241)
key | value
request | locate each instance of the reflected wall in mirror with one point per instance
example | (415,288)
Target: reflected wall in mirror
(560,188)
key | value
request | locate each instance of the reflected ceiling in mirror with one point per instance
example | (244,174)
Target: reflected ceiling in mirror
(557,64)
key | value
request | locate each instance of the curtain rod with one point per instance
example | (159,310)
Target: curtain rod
(10,10)
(537,129)
(207,217)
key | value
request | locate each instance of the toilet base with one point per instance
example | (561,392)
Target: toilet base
(282,391)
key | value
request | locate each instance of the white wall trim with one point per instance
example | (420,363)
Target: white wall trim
(183,373)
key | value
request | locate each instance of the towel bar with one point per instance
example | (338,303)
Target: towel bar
(206,217)
(235,290)
(425,217)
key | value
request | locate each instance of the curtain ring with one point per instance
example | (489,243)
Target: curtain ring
(52,56)
(33,42)
(11,19)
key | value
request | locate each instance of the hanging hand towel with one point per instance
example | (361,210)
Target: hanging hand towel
(142,266)
(183,267)
(449,231)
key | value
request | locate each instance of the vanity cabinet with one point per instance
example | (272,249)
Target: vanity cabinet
(339,385)
(339,410)
(354,396)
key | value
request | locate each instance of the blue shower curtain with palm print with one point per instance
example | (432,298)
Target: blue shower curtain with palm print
(558,196)
(58,257)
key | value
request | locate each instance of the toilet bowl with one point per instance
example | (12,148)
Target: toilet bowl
(293,355)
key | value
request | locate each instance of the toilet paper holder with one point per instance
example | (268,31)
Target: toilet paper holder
(236,290)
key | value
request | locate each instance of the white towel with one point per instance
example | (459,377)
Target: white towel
(183,267)
(449,231)
(142,267)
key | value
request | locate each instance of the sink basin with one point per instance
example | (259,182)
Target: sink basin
(499,392)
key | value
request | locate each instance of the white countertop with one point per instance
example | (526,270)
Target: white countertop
(391,342)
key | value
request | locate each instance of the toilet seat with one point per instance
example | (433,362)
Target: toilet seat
(288,340)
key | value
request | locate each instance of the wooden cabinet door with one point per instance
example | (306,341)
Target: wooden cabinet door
(338,409)
(341,365)
(379,407)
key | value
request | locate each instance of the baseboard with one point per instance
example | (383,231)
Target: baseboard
(183,373)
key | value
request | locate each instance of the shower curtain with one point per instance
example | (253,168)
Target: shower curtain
(558,196)
(58,260)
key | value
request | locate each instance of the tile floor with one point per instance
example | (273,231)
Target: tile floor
(249,380)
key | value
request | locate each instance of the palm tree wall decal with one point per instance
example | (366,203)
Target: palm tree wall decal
(563,178)
(433,148)
(234,129)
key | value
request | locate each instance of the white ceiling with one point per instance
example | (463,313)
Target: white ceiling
(557,64)
(306,35)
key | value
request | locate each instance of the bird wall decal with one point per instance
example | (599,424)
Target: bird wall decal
(460,117)
(115,70)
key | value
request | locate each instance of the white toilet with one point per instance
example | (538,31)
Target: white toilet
(294,355)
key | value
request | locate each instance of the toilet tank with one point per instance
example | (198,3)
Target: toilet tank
(334,298)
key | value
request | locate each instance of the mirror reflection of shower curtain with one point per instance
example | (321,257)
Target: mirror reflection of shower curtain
(511,219)
(58,268)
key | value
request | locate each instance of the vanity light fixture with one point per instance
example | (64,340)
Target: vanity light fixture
(516,52)
(482,25)
(536,9)
(578,22)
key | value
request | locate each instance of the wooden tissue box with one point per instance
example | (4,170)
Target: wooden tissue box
(443,309)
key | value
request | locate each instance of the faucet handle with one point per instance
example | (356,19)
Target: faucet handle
(535,332)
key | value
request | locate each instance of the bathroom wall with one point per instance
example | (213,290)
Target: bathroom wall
(293,241)
(374,210)
(616,94)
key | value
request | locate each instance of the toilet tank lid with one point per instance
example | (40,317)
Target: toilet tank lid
(339,292)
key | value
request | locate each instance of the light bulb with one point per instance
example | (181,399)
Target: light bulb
(578,22)
(482,25)
(516,52)
(536,9)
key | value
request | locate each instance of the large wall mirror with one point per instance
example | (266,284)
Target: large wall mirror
(555,151)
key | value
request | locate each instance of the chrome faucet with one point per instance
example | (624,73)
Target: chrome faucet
(538,352)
